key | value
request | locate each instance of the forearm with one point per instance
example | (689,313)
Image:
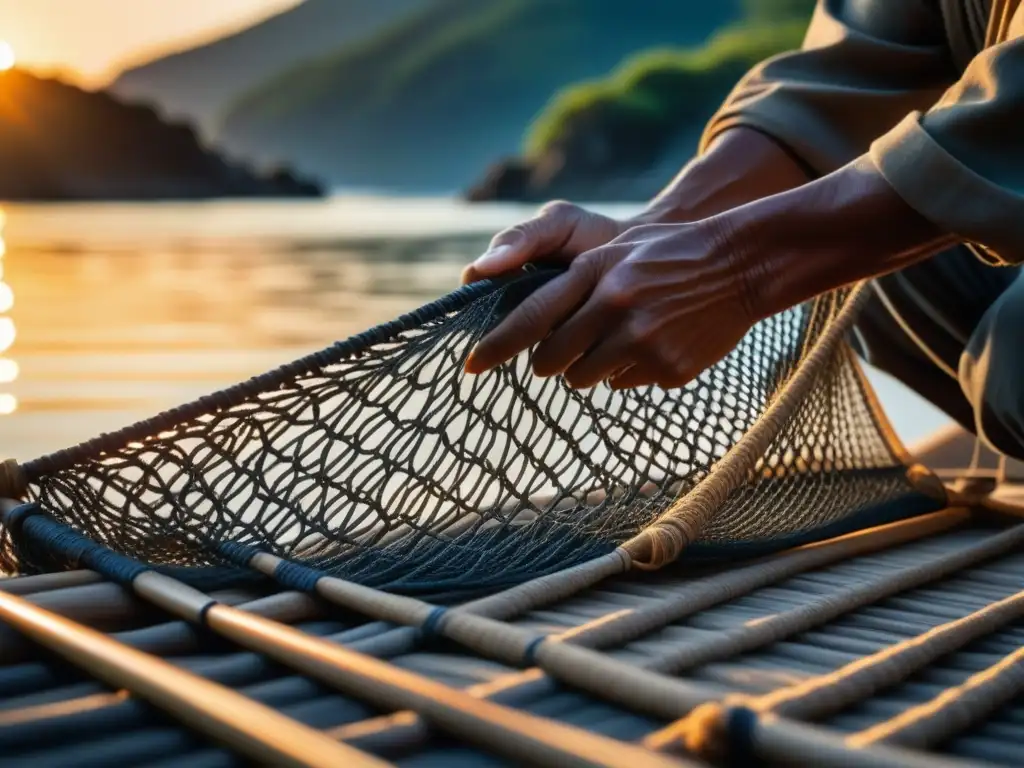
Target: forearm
(847,226)
(741,166)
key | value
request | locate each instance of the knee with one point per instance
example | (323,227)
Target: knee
(992,374)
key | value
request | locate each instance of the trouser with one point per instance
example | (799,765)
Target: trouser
(952,329)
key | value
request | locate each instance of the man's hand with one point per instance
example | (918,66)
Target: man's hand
(740,165)
(559,230)
(662,302)
(656,305)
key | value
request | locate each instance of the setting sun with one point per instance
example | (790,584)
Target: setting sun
(6,55)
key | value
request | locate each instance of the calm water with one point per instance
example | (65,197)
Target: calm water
(109,313)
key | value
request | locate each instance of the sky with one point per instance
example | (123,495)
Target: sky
(89,41)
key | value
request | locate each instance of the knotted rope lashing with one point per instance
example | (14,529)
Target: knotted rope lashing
(379,461)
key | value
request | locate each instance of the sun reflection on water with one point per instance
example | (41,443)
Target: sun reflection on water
(8,332)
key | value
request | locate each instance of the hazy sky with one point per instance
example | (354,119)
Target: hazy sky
(92,38)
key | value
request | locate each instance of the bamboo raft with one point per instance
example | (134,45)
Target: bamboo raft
(899,645)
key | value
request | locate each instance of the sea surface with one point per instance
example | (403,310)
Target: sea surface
(110,313)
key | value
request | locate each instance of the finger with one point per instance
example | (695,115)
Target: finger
(572,339)
(532,320)
(608,358)
(510,249)
(589,325)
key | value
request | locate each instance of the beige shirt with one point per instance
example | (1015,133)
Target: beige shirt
(931,90)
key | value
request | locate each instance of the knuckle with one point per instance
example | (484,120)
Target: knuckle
(586,264)
(636,331)
(617,292)
(560,209)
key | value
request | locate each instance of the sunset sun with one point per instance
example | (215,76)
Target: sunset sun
(6,56)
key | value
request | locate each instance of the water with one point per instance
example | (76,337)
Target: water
(110,313)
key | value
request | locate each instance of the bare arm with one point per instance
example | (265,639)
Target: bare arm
(740,166)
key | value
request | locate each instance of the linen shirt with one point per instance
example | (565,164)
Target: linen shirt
(932,91)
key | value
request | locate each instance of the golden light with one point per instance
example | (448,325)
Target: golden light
(8,404)
(6,297)
(6,55)
(8,370)
(7,333)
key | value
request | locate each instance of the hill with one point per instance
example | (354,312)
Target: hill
(425,103)
(199,83)
(624,136)
(58,142)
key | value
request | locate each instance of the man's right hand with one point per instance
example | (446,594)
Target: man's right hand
(560,230)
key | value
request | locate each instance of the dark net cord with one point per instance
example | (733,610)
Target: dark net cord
(378,460)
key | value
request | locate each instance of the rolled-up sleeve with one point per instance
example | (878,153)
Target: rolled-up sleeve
(961,163)
(864,65)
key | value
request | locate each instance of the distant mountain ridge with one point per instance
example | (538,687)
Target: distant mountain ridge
(200,82)
(428,100)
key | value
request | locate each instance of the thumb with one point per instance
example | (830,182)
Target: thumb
(509,250)
(512,248)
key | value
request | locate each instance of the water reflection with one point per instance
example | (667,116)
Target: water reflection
(8,367)
(124,311)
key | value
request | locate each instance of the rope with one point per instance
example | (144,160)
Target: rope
(510,732)
(698,595)
(407,728)
(778,740)
(824,695)
(953,710)
(643,688)
(682,524)
(705,730)
(747,637)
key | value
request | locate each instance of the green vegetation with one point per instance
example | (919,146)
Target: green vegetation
(433,98)
(658,94)
(655,93)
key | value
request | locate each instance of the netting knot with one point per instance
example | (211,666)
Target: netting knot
(13,483)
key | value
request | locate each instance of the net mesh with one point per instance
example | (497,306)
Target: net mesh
(380,461)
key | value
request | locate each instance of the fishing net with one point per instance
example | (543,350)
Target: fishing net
(380,461)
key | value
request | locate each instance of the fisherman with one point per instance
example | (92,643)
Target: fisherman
(891,146)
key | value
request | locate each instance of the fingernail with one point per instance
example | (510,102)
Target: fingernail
(492,259)
(470,366)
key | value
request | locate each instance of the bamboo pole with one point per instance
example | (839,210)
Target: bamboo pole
(251,728)
(514,734)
